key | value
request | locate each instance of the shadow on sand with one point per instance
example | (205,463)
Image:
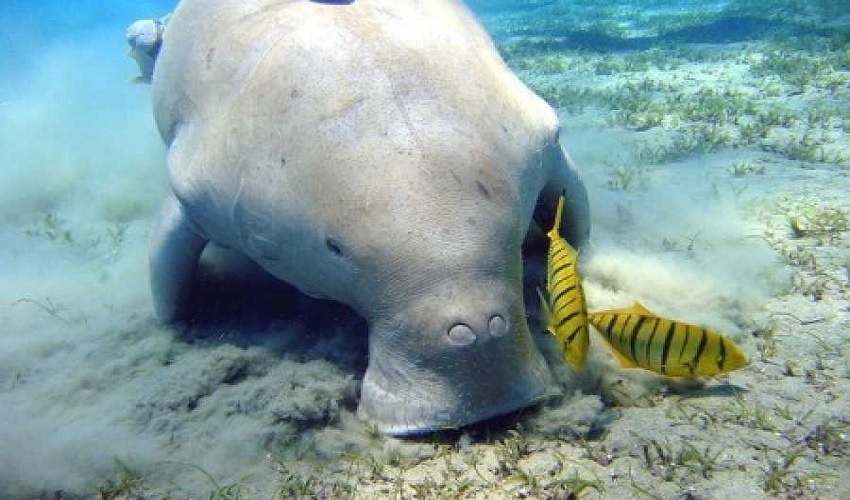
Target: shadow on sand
(239,304)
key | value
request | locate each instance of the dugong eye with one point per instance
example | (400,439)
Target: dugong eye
(334,246)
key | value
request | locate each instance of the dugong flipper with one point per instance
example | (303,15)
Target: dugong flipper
(378,153)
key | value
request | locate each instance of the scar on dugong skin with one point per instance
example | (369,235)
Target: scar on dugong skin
(378,153)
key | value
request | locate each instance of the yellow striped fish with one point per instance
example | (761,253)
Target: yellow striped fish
(565,312)
(641,339)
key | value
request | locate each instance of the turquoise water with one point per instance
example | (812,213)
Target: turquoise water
(714,141)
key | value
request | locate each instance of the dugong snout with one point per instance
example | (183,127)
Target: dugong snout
(452,359)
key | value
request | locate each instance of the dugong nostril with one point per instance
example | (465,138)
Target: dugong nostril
(498,326)
(461,335)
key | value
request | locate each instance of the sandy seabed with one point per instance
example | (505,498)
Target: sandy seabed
(714,143)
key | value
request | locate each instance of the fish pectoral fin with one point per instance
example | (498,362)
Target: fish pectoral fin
(686,370)
(691,366)
(575,358)
(547,313)
(575,351)
(624,361)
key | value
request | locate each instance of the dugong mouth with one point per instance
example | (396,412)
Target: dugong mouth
(420,382)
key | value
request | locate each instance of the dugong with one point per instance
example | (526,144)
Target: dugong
(378,153)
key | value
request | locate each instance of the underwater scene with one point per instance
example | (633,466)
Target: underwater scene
(634,286)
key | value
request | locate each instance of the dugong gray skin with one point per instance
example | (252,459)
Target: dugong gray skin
(378,153)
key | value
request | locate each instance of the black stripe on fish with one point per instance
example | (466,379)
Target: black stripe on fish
(623,337)
(563,292)
(685,343)
(564,305)
(557,253)
(572,335)
(721,358)
(567,318)
(667,341)
(561,268)
(607,328)
(700,349)
(561,279)
(637,333)
(557,250)
(633,338)
(648,350)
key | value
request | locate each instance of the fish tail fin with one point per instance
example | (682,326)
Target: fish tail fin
(555,232)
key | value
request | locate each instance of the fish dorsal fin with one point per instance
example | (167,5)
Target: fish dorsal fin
(555,232)
(638,308)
